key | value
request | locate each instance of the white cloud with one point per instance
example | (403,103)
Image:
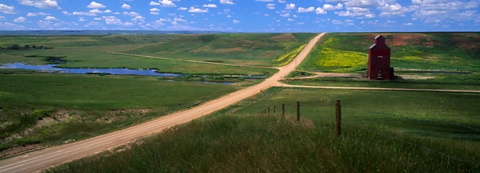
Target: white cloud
(228,16)
(356,12)
(282,1)
(154,3)
(264,0)
(44,4)
(290,6)
(126,6)
(290,20)
(337,22)
(271,6)
(210,6)
(167,3)
(8,25)
(131,14)
(320,11)
(20,19)
(305,10)
(408,24)
(197,10)
(139,18)
(83,13)
(331,7)
(236,21)
(7,9)
(97,18)
(182,8)
(37,14)
(285,15)
(81,19)
(94,4)
(49,18)
(154,9)
(112,20)
(2,17)
(95,11)
(230,2)
(107,11)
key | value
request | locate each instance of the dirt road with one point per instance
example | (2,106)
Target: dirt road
(39,160)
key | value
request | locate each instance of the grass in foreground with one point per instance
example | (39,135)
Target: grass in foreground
(45,108)
(244,142)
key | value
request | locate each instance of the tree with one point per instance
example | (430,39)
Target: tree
(26,46)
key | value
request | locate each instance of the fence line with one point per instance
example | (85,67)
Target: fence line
(414,144)
(430,121)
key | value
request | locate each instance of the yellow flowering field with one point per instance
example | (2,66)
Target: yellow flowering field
(288,57)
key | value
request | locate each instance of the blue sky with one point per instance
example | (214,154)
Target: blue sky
(242,15)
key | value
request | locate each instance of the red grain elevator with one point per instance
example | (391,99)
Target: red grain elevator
(379,61)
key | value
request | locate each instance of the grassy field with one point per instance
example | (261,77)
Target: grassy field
(92,51)
(51,108)
(348,52)
(388,132)
(246,49)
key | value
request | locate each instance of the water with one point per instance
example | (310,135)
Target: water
(114,71)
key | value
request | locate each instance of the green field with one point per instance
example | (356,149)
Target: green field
(95,51)
(80,106)
(245,49)
(382,132)
(348,52)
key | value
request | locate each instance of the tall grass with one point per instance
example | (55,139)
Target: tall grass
(244,141)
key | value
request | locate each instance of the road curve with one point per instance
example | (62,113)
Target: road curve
(40,160)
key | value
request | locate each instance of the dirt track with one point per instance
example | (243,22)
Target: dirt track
(39,160)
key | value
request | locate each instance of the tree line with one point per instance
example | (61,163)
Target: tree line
(27,46)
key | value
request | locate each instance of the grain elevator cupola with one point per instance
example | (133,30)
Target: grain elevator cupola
(379,61)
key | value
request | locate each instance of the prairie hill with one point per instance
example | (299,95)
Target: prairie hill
(249,49)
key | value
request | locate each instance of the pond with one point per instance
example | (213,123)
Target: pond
(113,71)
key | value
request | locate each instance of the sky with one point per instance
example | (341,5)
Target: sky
(242,15)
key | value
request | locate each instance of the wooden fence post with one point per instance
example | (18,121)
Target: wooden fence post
(338,118)
(265,110)
(283,109)
(298,111)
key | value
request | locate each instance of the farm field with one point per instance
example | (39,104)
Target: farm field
(382,131)
(430,59)
(50,109)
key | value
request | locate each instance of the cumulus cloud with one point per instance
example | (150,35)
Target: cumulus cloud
(320,11)
(408,24)
(44,4)
(331,7)
(154,3)
(282,1)
(49,18)
(167,3)
(126,6)
(182,8)
(305,10)
(271,6)
(94,4)
(230,2)
(131,14)
(19,19)
(210,6)
(236,21)
(7,9)
(197,10)
(290,6)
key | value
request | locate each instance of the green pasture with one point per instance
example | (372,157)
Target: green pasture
(382,132)
(440,81)
(348,52)
(87,105)
(245,49)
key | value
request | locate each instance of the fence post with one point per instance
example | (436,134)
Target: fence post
(265,110)
(298,111)
(338,118)
(283,109)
